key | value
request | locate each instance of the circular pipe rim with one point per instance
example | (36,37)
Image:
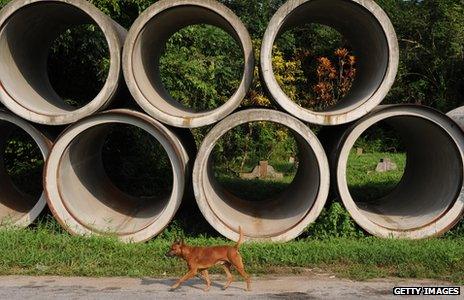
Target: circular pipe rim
(443,222)
(257,115)
(44,144)
(112,32)
(198,119)
(344,116)
(177,155)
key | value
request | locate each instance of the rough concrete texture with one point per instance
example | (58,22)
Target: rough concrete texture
(281,218)
(367,27)
(429,199)
(17,208)
(457,116)
(83,198)
(146,42)
(290,287)
(27,31)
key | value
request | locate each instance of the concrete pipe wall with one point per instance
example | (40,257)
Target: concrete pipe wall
(368,29)
(83,198)
(457,115)
(27,30)
(146,43)
(285,216)
(429,199)
(17,208)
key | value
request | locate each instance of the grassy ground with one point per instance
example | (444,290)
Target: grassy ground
(366,184)
(47,250)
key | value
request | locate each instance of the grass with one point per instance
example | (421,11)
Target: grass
(46,249)
(365,184)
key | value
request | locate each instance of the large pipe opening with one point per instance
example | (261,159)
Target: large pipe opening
(283,216)
(28,30)
(86,191)
(366,27)
(146,43)
(428,199)
(23,150)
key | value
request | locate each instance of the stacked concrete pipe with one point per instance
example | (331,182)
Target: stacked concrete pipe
(83,198)
(429,199)
(286,215)
(85,201)
(368,29)
(17,208)
(146,42)
(27,31)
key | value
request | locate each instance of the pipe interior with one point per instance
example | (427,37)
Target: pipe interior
(270,217)
(93,199)
(150,46)
(431,182)
(25,42)
(363,32)
(15,200)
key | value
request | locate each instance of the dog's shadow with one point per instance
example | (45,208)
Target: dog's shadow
(196,283)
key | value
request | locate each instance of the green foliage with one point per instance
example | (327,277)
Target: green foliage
(334,222)
(78,64)
(23,162)
(201,67)
(243,147)
(431,37)
(137,163)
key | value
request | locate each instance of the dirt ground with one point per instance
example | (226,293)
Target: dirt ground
(272,287)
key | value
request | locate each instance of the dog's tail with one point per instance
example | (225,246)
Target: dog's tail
(240,239)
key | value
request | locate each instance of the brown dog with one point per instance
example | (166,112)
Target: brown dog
(203,258)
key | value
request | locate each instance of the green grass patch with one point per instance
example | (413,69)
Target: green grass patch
(47,250)
(365,183)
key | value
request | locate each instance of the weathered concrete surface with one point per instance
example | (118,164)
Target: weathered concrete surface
(304,287)
(281,218)
(370,32)
(27,31)
(457,116)
(83,198)
(429,199)
(146,42)
(16,207)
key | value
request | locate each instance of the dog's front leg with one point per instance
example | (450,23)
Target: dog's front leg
(205,275)
(191,273)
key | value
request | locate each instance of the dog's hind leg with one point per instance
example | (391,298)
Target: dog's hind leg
(230,278)
(205,275)
(191,273)
(238,264)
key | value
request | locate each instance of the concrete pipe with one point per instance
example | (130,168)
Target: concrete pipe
(83,198)
(18,208)
(27,31)
(457,115)
(429,199)
(281,218)
(368,29)
(146,43)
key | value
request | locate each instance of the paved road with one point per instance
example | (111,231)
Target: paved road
(303,287)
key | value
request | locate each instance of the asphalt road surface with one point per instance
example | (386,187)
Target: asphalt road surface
(301,287)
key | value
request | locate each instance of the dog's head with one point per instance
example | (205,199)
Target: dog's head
(176,249)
